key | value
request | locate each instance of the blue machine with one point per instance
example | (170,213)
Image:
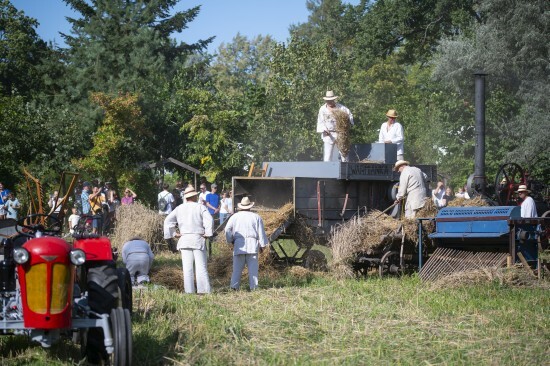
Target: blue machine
(498,229)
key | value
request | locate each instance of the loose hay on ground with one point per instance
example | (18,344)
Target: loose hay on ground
(514,277)
(169,276)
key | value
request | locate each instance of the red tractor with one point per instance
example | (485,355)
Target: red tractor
(50,288)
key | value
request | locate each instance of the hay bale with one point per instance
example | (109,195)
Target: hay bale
(343,141)
(137,220)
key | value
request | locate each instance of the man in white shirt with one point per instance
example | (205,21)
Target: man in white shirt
(245,231)
(412,186)
(528,207)
(326,126)
(391,132)
(195,225)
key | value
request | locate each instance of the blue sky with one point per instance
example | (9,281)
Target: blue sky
(220,18)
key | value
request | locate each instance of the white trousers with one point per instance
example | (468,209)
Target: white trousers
(239,261)
(331,152)
(191,260)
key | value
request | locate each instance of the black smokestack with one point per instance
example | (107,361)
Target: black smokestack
(479,168)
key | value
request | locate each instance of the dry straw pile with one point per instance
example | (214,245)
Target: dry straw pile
(137,220)
(463,202)
(343,141)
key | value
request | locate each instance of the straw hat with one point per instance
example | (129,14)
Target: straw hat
(392,113)
(245,204)
(399,163)
(330,95)
(523,188)
(189,192)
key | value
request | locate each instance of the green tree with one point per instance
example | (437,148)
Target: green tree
(518,81)
(21,52)
(126,46)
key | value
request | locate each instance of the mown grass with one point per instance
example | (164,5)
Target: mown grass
(316,320)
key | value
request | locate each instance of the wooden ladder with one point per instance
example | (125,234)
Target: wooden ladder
(257,172)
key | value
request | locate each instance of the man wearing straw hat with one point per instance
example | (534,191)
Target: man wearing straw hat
(326,126)
(412,185)
(391,132)
(528,207)
(195,225)
(245,231)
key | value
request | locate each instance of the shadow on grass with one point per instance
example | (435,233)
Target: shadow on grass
(20,350)
(152,350)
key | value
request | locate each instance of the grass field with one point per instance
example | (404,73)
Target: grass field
(305,318)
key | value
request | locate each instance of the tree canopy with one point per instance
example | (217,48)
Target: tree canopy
(124,92)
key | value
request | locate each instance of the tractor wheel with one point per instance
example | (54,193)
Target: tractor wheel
(125,286)
(103,295)
(121,328)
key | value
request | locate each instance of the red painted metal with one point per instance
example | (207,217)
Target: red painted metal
(96,249)
(50,251)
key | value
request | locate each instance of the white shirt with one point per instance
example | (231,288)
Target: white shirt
(394,134)
(412,182)
(528,207)
(169,200)
(202,197)
(226,205)
(246,231)
(327,122)
(73,219)
(194,223)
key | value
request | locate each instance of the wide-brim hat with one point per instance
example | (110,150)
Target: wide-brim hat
(399,163)
(190,192)
(330,95)
(245,204)
(392,113)
(523,188)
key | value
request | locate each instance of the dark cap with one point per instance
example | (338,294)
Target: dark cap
(86,184)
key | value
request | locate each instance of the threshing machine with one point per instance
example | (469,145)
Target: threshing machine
(325,194)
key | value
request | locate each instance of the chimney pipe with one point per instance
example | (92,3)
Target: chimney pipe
(479,167)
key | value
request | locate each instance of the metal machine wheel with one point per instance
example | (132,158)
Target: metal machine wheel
(389,264)
(507,181)
(125,287)
(121,328)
